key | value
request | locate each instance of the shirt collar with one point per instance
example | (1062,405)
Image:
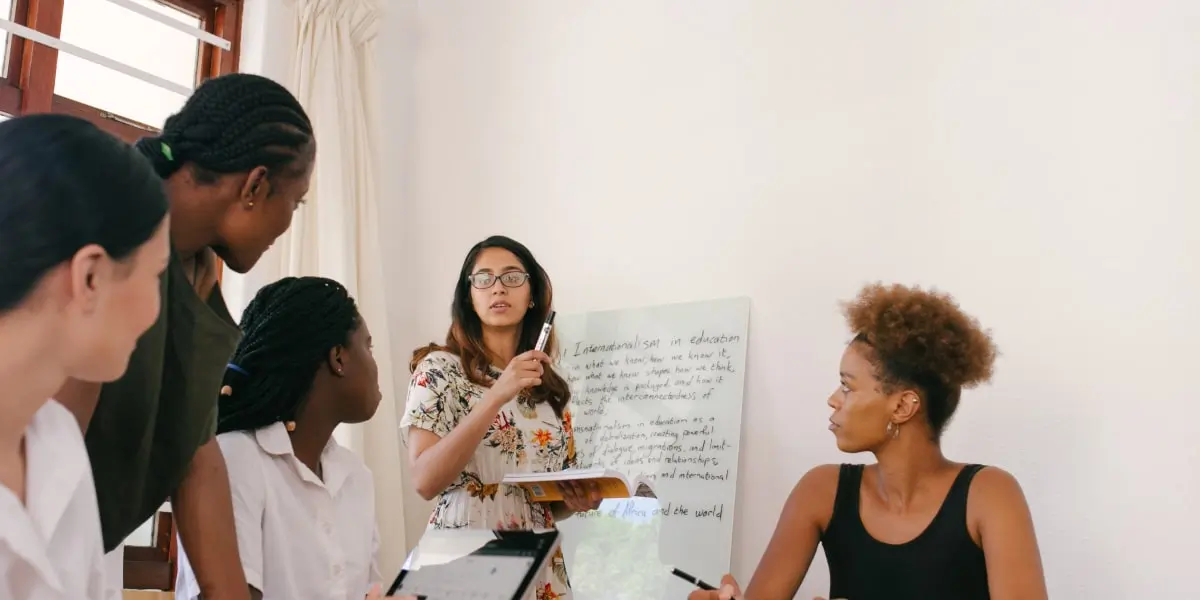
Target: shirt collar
(55,466)
(274,440)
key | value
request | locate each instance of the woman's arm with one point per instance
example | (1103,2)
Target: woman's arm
(997,506)
(204,514)
(440,442)
(436,460)
(792,547)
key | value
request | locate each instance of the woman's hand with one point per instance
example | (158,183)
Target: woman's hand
(581,496)
(523,371)
(729,590)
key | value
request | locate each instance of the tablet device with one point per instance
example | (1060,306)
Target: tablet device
(479,564)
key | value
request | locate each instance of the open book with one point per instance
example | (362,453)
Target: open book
(544,487)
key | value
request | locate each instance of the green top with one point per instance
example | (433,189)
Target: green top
(149,424)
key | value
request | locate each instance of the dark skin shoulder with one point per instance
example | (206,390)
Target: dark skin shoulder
(999,520)
(806,514)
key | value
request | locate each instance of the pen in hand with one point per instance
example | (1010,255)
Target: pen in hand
(696,581)
(544,337)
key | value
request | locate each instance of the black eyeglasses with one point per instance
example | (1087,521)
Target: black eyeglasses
(485,280)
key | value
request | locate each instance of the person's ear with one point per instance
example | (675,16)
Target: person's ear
(86,271)
(257,187)
(906,404)
(337,360)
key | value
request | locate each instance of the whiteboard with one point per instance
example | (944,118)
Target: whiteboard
(655,391)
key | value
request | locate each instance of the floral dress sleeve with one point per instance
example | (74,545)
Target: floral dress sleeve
(432,404)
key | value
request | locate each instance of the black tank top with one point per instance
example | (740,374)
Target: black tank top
(942,563)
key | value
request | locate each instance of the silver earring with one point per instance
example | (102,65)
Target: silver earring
(531,304)
(893,430)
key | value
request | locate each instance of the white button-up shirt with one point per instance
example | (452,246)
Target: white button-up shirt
(50,546)
(299,537)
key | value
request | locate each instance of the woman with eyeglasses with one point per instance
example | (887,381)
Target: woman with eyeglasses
(486,404)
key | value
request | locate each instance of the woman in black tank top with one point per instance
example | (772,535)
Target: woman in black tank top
(914,525)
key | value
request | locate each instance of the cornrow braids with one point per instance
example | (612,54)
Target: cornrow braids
(231,124)
(288,330)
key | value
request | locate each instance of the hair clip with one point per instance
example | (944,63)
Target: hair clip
(233,367)
(166,151)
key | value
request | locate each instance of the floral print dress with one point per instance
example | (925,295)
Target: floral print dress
(524,437)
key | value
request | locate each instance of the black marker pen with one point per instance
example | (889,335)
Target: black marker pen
(544,337)
(692,580)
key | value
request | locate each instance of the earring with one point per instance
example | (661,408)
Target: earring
(531,304)
(339,371)
(893,430)
(290,425)
(250,204)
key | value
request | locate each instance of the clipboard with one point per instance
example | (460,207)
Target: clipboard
(480,564)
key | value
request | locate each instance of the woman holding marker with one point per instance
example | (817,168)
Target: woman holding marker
(236,162)
(83,240)
(915,525)
(487,403)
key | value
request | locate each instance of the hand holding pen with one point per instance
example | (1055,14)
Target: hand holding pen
(729,589)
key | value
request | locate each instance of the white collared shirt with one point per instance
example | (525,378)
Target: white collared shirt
(51,546)
(299,537)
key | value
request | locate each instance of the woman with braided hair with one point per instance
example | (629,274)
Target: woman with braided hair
(236,162)
(304,506)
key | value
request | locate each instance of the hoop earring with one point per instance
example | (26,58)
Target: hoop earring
(893,430)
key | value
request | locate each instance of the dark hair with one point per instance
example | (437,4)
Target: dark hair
(65,184)
(231,124)
(921,339)
(465,337)
(288,330)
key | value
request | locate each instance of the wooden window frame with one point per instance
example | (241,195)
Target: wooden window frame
(153,567)
(28,87)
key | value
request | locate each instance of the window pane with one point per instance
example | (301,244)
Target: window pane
(125,36)
(6,11)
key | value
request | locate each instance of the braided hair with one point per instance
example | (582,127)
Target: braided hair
(288,330)
(232,124)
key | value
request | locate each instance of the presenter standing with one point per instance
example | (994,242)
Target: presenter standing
(486,404)
(236,162)
(915,525)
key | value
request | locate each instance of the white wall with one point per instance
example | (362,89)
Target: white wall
(1036,158)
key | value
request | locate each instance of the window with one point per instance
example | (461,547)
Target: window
(35,78)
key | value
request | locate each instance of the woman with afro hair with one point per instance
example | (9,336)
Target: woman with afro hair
(914,525)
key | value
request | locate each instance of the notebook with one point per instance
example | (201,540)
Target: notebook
(544,487)
(474,564)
